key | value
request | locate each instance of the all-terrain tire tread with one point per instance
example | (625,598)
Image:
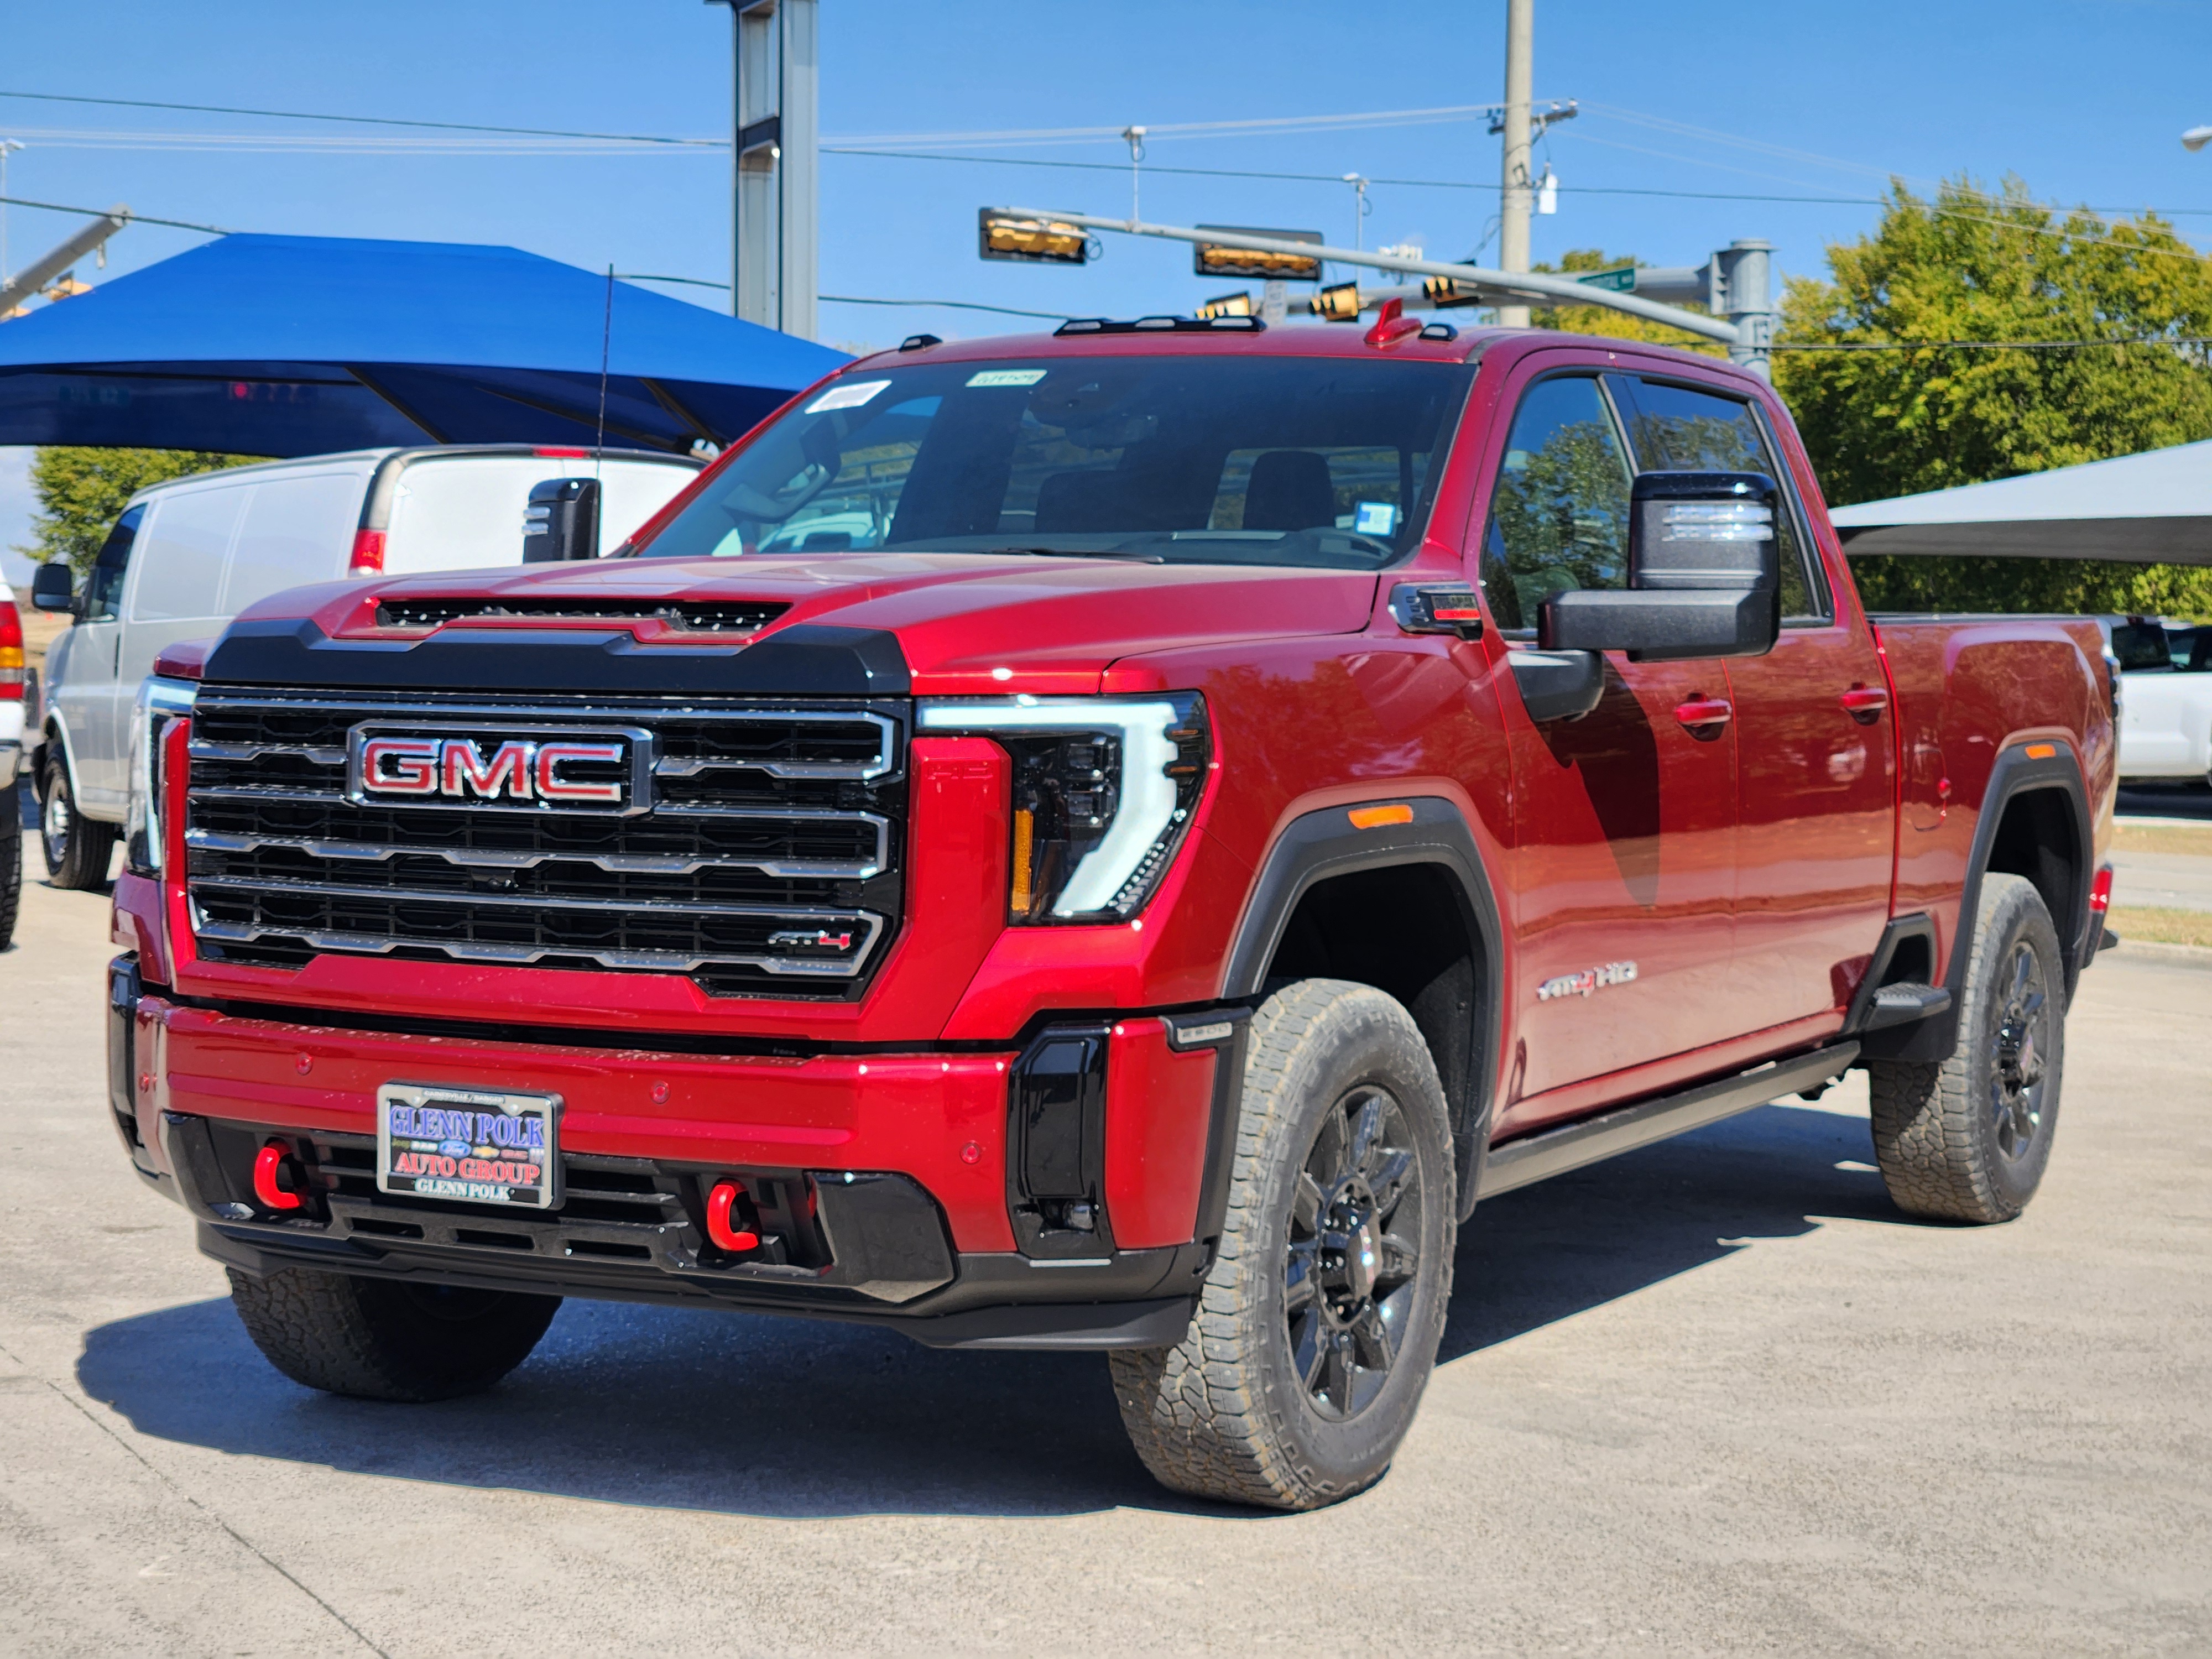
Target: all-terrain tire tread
(1929,1142)
(313,1326)
(1194,1412)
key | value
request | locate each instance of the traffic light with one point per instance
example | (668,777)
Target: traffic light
(1003,236)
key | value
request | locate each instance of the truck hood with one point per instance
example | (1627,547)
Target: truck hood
(964,622)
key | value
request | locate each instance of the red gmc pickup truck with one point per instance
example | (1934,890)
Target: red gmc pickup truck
(1110,841)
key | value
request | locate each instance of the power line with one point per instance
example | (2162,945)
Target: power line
(855,300)
(1995,345)
(368,120)
(97,213)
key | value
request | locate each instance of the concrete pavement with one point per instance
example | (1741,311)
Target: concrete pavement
(1719,1396)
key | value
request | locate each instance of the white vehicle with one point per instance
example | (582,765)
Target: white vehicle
(186,556)
(2166,699)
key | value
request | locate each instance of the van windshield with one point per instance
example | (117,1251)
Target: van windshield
(1322,462)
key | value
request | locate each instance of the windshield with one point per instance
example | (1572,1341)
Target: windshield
(1192,460)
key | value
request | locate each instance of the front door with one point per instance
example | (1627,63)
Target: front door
(1623,867)
(85,696)
(1814,777)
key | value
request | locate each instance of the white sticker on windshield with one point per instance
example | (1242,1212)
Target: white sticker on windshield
(1006,377)
(850,395)
(1375,517)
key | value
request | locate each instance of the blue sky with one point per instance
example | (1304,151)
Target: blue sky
(2084,101)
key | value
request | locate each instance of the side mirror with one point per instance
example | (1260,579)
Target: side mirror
(53,588)
(561,522)
(1705,575)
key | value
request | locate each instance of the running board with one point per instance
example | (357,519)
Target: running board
(1554,1151)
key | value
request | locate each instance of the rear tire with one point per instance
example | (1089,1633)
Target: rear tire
(11,859)
(77,848)
(1317,1328)
(383,1338)
(1967,1137)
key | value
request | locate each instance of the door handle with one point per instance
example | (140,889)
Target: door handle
(1703,717)
(1864,703)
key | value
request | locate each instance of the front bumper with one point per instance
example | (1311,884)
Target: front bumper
(897,1164)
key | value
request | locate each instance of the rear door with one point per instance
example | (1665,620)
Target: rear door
(460,512)
(1816,820)
(1623,867)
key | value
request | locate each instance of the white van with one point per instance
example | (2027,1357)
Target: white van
(2166,698)
(187,555)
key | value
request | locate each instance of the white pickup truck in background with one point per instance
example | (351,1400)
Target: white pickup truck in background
(2166,718)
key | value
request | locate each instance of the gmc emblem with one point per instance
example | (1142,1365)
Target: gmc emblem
(603,770)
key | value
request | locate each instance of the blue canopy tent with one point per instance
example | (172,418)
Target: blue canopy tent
(300,345)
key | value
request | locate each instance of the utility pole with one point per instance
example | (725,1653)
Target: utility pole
(1513,199)
(6,145)
(774,185)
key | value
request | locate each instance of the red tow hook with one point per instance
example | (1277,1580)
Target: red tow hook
(277,1177)
(737,1241)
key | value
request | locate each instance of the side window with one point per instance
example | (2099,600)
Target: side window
(1559,516)
(1676,429)
(103,588)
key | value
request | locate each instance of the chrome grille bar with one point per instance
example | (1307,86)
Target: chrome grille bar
(636,864)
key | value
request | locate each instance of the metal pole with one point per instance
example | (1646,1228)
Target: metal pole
(797,165)
(27,282)
(1513,198)
(1744,275)
(1508,286)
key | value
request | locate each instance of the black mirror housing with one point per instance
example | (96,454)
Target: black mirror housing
(53,586)
(1705,575)
(561,522)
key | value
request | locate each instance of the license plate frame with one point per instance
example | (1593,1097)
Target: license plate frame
(501,1133)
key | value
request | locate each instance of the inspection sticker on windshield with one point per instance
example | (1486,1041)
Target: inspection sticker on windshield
(1006,377)
(479,1145)
(1375,517)
(851,395)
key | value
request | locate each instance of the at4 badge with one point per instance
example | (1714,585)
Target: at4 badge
(1590,979)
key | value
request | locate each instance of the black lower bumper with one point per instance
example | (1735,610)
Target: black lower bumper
(1136,1299)
(872,1248)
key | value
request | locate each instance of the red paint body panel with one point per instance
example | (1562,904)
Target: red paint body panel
(1158,1104)
(1745,866)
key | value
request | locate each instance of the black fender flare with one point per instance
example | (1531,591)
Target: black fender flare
(2016,772)
(1317,846)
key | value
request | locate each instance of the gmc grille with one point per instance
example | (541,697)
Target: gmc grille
(767,861)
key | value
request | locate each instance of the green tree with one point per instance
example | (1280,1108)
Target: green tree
(81,491)
(1915,414)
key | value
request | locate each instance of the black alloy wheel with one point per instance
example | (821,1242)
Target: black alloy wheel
(2017,1072)
(1349,1273)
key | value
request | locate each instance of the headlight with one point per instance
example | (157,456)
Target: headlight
(160,702)
(1103,792)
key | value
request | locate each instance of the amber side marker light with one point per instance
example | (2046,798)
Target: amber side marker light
(2042,751)
(1375,818)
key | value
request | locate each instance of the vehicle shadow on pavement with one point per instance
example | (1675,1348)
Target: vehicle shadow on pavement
(736,1413)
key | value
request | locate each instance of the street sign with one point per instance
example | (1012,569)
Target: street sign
(1620,280)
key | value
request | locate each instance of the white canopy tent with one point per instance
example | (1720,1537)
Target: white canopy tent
(2152,508)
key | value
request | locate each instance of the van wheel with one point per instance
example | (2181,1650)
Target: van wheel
(11,859)
(1318,1324)
(1967,1138)
(77,848)
(386,1338)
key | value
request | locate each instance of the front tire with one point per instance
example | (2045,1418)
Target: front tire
(1967,1138)
(1318,1324)
(78,849)
(384,1339)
